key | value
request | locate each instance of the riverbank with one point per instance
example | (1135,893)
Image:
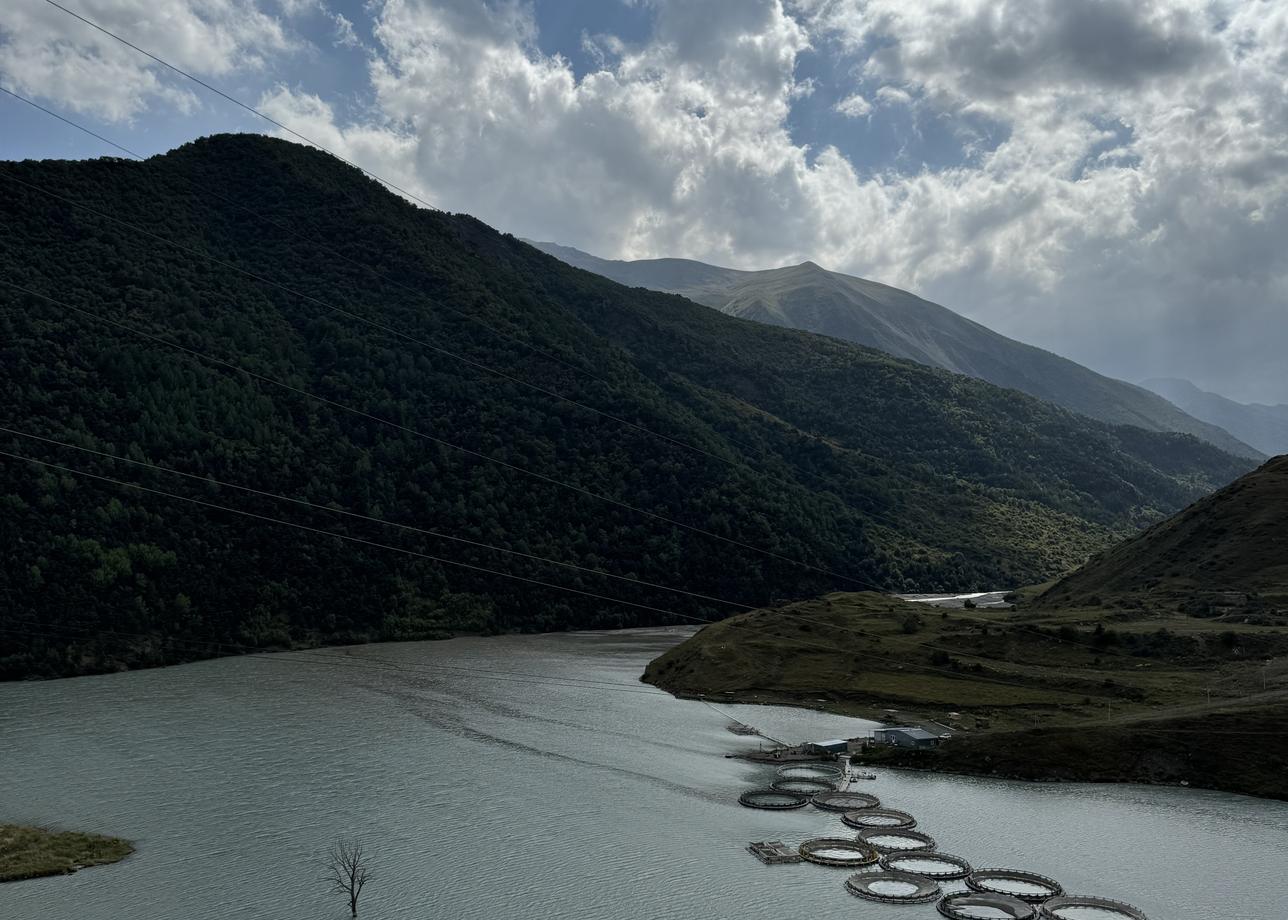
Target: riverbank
(1232,751)
(34,852)
(1035,695)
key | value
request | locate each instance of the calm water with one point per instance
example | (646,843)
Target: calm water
(504,799)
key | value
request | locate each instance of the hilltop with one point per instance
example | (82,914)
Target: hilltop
(809,297)
(417,333)
(1227,554)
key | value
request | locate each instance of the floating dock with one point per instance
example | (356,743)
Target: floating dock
(773,852)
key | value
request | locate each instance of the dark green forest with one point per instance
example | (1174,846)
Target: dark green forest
(875,471)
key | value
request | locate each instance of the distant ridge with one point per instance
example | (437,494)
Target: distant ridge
(1263,426)
(812,298)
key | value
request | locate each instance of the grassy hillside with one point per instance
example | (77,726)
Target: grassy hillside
(1226,556)
(886,472)
(1035,694)
(809,297)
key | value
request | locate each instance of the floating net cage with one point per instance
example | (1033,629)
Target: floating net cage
(878,817)
(845,801)
(973,905)
(895,839)
(803,786)
(892,887)
(824,771)
(941,867)
(772,799)
(1088,907)
(1027,886)
(837,851)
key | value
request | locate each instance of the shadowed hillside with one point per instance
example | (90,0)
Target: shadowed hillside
(349,350)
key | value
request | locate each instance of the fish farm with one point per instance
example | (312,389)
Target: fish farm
(899,865)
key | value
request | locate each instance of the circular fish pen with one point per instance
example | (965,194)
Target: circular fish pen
(1087,907)
(878,817)
(1027,886)
(806,787)
(895,839)
(893,887)
(828,772)
(972,905)
(772,799)
(837,851)
(845,801)
(938,866)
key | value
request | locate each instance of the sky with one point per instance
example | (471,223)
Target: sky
(1107,179)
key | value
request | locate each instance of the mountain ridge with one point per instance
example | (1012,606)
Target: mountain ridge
(805,447)
(1262,425)
(807,296)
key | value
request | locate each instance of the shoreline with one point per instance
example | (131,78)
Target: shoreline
(1071,754)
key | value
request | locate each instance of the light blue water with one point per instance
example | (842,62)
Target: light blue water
(491,797)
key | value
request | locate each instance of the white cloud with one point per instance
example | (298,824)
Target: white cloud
(46,53)
(854,106)
(1129,210)
(345,36)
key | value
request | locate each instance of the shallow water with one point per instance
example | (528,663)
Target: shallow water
(481,794)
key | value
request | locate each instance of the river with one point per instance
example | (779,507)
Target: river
(483,794)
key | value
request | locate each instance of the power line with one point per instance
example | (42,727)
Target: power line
(238,102)
(643,429)
(376,544)
(353,514)
(465,314)
(405,527)
(338,536)
(478,455)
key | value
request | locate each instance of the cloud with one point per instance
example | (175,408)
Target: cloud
(46,53)
(1125,207)
(1126,218)
(854,106)
(345,36)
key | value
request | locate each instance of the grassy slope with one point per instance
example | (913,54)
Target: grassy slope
(32,852)
(1234,540)
(1003,673)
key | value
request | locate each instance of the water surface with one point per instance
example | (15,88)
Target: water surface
(482,794)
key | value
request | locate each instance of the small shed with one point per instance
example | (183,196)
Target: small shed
(906,736)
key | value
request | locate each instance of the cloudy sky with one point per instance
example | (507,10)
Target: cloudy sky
(1104,178)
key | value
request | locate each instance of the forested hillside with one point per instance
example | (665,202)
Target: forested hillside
(338,352)
(809,297)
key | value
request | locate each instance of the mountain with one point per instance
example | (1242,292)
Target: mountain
(1263,426)
(1228,552)
(252,312)
(808,297)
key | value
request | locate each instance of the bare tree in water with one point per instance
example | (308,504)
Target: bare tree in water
(347,870)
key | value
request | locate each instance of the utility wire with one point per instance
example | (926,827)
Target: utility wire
(478,455)
(287,229)
(208,480)
(238,102)
(396,188)
(901,663)
(375,520)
